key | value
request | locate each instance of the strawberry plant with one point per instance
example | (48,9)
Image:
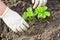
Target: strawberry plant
(40,12)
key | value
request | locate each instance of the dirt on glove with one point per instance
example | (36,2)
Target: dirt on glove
(40,29)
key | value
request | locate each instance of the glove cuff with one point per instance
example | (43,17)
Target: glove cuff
(4,12)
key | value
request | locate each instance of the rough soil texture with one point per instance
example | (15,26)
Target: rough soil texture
(40,29)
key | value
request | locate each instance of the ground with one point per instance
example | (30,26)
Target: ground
(40,29)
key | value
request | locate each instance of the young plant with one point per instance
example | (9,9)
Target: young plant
(28,13)
(41,12)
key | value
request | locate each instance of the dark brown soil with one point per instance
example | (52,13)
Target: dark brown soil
(40,29)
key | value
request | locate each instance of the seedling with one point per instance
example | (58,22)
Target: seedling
(28,13)
(40,12)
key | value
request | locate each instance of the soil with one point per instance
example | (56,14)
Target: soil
(40,29)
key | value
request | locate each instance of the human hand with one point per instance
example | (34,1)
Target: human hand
(0,0)
(2,7)
(14,21)
(39,3)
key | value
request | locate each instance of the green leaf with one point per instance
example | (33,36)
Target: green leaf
(35,13)
(24,16)
(38,9)
(47,13)
(29,14)
(39,15)
(44,16)
(29,9)
(43,8)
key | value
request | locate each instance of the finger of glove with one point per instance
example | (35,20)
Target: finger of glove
(40,2)
(44,2)
(19,29)
(25,24)
(36,3)
(33,1)
(23,27)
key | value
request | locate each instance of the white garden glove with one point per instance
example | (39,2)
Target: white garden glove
(14,21)
(39,3)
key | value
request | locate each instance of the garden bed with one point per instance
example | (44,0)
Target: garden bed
(40,29)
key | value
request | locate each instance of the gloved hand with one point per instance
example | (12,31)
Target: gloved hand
(39,3)
(12,19)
